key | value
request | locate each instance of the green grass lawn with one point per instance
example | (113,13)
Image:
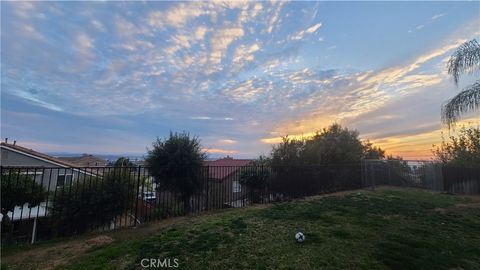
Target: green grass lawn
(397,229)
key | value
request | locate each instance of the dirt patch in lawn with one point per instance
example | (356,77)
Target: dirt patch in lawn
(54,256)
(59,254)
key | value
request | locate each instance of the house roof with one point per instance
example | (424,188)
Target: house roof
(229,161)
(37,155)
(221,168)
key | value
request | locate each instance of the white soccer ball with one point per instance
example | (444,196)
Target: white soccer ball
(300,237)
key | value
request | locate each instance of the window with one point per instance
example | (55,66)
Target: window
(64,179)
(236,187)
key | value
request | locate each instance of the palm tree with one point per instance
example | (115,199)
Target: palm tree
(466,59)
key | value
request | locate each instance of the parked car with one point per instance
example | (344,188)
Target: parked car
(149,196)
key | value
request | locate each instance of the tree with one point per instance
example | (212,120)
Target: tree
(332,145)
(466,59)
(462,150)
(288,152)
(123,162)
(255,178)
(176,164)
(93,201)
(16,190)
(372,152)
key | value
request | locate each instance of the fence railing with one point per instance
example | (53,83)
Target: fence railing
(422,174)
(45,202)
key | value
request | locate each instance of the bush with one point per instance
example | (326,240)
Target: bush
(462,150)
(92,202)
(255,179)
(16,190)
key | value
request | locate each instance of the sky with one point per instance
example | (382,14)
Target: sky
(109,77)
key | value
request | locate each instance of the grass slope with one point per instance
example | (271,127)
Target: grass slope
(397,229)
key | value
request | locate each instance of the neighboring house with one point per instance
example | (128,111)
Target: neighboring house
(48,171)
(224,182)
(85,160)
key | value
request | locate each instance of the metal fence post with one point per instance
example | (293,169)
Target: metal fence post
(136,197)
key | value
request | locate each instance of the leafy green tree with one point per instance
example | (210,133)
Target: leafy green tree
(176,163)
(332,145)
(466,59)
(123,162)
(16,190)
(336,149)
(288,152)
(462,150)
(93,201)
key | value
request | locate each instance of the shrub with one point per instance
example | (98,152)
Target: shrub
(255,179)
(92,202)
(462,150)
(16,190)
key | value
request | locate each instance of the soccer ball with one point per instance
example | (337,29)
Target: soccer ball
(300,237)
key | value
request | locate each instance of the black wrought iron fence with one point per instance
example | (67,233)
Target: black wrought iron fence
(422,174)
(43,202)
(461,180)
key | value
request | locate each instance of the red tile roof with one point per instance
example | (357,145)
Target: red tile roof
(221,168)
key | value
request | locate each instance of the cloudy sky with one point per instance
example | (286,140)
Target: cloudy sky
(108,77)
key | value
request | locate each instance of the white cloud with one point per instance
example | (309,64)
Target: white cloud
(257,7)
(244,54)
(220,151)
(227,142)
(177,16)
(84,44)
(436,16)
(23,9)
(220,41)
(29,31)
(201,118)
(313,28)
(301,34)
(200,32)
(98,25)
(275,19)
(430,21)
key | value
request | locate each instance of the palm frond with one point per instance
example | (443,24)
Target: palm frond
(465,101)
(466,59)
